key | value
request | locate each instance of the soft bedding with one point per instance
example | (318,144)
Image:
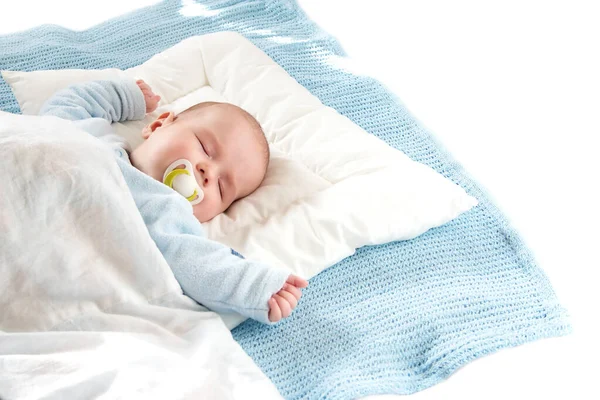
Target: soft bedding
(330,188)
(393,318)
(88,305)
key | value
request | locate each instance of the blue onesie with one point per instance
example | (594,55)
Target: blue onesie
(208,272)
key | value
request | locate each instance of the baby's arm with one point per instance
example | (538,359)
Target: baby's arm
(207,271)
(112,100)
(95,105)
(210,274)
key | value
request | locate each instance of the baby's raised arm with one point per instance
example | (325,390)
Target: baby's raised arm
(111,100)
(94,105)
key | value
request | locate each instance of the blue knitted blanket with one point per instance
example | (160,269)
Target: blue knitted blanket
(395,318)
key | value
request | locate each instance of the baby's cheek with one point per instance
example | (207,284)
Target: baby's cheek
(174,151)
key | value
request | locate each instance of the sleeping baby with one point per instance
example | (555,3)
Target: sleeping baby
(190,168)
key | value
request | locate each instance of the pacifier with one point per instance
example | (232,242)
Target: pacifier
(182,180)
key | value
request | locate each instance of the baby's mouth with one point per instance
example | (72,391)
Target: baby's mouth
(180,177)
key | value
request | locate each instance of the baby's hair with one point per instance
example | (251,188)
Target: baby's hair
(256,128)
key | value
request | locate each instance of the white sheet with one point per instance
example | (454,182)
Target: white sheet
(76,256)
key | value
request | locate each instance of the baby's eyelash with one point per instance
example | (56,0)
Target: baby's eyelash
(220,190)
(203,149)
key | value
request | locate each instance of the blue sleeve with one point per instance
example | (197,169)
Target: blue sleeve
(95,105)
(206,270)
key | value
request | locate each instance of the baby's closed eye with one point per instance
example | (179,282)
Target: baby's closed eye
(220,189)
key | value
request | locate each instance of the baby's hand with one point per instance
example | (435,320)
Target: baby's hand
(149,96)
(283,302)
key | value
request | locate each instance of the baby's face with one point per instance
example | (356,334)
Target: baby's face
(228,159)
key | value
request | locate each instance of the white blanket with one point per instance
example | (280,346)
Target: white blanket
(75,256)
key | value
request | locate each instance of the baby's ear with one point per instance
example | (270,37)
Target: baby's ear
(163,119)
(146,132)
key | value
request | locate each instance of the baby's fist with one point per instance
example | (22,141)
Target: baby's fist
(150,98)
(283,302)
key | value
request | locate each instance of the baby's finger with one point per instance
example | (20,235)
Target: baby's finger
(291,299)
(293,290)
(297,281)
(283,305)
(147,90)
(274,310)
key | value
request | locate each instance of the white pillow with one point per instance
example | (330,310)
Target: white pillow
(331,187)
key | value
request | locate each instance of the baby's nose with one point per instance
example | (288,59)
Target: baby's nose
(205,176)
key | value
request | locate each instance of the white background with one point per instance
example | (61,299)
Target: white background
(512,90)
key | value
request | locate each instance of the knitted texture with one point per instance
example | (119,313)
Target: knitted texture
(395,318)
